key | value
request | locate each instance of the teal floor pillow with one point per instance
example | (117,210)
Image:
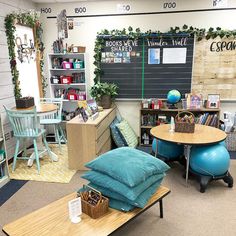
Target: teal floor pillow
(140,201)
(120,206)
(128,192)
(128,165)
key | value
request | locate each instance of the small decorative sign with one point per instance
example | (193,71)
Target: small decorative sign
(213,101)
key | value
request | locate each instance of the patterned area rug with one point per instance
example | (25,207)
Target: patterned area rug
(57,172)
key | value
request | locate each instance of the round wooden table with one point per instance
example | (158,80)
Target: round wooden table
(41,108)
(203,135)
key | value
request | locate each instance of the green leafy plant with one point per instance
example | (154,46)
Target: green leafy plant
(99,89)
(29,19)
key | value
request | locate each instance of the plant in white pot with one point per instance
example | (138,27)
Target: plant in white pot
(104,93)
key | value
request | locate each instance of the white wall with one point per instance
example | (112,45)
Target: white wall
(6,87)
(85,33)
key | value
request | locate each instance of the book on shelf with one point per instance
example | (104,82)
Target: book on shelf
(193,101)
(214,121)
(207,119)
(2,172)
(162,119)
(148,119)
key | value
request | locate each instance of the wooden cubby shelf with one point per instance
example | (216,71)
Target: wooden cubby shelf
(152,117)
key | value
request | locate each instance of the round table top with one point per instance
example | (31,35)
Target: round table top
(203,134)
(41,108)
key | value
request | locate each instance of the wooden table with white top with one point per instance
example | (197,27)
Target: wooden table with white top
(53,219)
(203,135)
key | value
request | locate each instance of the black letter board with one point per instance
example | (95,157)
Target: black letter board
(150,66)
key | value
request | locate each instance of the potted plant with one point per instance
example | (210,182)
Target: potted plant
(103,93)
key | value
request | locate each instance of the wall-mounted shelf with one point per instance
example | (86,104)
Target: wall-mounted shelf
(74,84)
(67,69)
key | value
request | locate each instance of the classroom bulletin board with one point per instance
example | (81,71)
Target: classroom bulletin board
(149,66)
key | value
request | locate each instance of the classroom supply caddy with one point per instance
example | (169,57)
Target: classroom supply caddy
(185,122)
(93,203)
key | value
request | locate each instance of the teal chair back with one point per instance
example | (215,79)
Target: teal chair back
(24,123)
(56,101)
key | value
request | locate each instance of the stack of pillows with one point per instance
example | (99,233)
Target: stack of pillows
(127,176)
(123,134)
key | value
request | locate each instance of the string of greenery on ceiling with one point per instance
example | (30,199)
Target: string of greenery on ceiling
(199,33)
(29,19)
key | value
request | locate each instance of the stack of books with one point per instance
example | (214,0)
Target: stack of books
(208,119)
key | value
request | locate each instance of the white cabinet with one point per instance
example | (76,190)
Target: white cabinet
(68,78)
(4,174)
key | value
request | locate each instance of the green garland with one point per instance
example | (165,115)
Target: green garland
(135,34)
(29,19)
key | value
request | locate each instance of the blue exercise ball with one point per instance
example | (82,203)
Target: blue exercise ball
(223,143)
(212,160)
(167,150)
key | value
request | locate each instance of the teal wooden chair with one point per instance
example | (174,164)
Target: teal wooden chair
(54,119)
(25,125)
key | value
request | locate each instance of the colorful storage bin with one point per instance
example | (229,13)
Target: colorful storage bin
(65,79)
(78,64)
(66,65)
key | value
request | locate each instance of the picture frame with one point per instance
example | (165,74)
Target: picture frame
(83,113)
(75,49)
(213,101)
(195,101)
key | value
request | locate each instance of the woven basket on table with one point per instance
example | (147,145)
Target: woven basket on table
(94,211)
(184,127)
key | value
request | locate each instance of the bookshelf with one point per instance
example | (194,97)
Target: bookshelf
(68,79)
(4,175)
(150,118)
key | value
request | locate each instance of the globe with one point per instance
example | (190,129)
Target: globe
(173,96)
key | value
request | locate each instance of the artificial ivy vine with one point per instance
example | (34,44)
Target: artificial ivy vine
(29,19)
(135,34)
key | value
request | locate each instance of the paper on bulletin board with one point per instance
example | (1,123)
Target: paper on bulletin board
(174,55)
(154,56)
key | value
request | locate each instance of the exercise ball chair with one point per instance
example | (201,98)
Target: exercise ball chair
(166,150)
(210,162)
(223,143)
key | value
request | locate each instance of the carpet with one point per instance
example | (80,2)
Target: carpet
(187,212)
(57,172)
(10,189)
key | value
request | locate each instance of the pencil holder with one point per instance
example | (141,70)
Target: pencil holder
(93,203)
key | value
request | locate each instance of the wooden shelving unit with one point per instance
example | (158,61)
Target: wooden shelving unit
(69,105)
(4,173)
(150,118)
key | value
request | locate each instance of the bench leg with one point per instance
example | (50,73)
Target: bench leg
(161,208)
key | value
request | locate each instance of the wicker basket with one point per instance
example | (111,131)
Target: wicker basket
(184,127)
(101,203)
(230,141)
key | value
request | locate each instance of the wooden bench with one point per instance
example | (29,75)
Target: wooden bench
(53,219)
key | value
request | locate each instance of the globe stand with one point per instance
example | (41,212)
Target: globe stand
(172,106)
(204,180)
